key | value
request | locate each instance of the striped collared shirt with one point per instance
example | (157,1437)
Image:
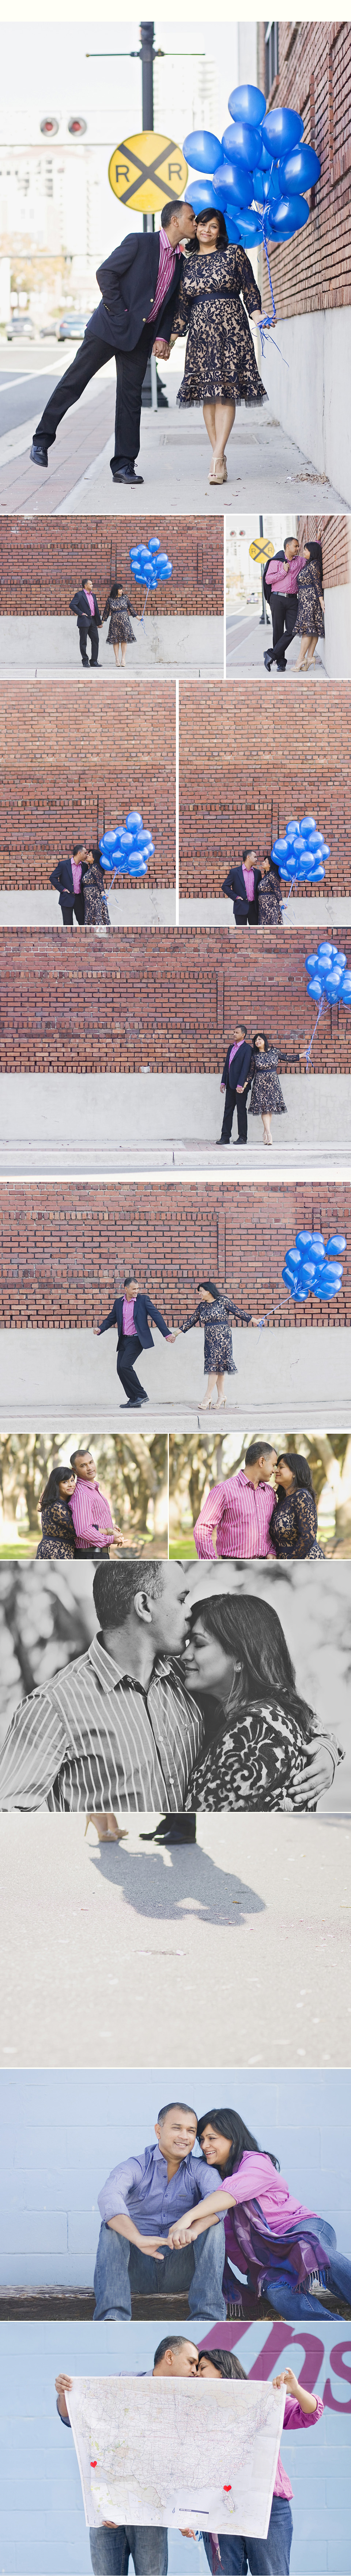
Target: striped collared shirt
(283,577)
(128,1325)
(94,1740)
(249,881)
(139,2190)
(166,270)
(91,1514)
(242,1514)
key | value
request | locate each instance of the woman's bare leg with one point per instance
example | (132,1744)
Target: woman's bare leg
(224,417)
(123,655)
(305,641)
(116,653)
(220,1384)
(211,1382)
(266,1123)
(210,424)
(311,651)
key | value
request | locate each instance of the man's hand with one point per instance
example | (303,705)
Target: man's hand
(316,1776)
(161,349)
(188,2534)
(61,2383)
(172,1337)
(96,1328)
(222,1086)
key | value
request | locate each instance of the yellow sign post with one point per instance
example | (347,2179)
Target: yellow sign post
(146,170)
(261,549)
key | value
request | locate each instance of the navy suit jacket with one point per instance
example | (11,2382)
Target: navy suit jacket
(235,885)
(142,1309)
(128,281)
(63,878)
(240,1071)
(80,606)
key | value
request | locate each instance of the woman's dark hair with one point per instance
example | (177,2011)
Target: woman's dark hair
(59,1476)
(222,235)
(251,1631)
(115,586)
(240,2142)
(260,1033)
(299,1469)
(208,1283)
(226,2363)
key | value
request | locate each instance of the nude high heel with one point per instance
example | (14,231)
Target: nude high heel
(119,1836)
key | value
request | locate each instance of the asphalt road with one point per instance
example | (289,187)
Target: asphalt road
(26,380)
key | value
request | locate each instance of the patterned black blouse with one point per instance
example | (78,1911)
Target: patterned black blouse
(58,1537)
(251,1760)
(293,1525)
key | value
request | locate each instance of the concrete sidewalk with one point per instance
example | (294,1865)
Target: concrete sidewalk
(265,467)
(60,1375)
(319,912)
(232,1930)
(195,645)
(152,907)
(247,641)
(138,1122)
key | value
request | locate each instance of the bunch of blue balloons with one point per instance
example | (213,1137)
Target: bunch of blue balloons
(312,1268)
(126,851)
(300,853)
(257,173)
(149,565)
(329,974)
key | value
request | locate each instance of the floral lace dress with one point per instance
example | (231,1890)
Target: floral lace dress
(266,1094)
(57,1526)
(269,900)
(220,364)
(293,1525)
(120,629)
(310,619)
(218,1356)
(95,901)
(251,1760)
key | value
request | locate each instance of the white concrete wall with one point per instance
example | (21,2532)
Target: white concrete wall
(145,1110)
(53,1378)
(311,394)
(335,651)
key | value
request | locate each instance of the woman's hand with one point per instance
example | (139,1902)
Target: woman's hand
(286,2379)
(179,2236)
(61,2383)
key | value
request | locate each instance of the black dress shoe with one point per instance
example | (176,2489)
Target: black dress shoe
(267,657)
(222,1140)
(84,662)
(39,453)
(124,473)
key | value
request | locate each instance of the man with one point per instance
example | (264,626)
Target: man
(144,2543)
(92,1517)
(131,1313)
(68,876)
(235,1520)
(85,607)
(243,883)
(236,1083)
(116,1730)
(141,2205)
(280,583)
(139,282)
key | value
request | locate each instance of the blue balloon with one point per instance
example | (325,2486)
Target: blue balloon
(248,103)
(265,185)
(346,988)
(137,867)
(337,1243)
(202,151)
(312,962)
(154,545)
(281,130)
(291,213)
(315,989)
(201,197)
(300,170)
(250,228)
(241,143)
(233,183)
(233,226)
(133,821)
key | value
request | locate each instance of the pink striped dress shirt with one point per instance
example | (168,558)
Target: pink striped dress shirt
(91,1515)
(166,270)
(283,577)
(76,865)
(248,874)
(242,1513)
(128,1326)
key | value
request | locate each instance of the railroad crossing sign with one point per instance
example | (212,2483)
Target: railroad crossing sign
(146,170)
(261,549)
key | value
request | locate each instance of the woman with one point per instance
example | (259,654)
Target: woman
(269,899)
(220,364)
(310,607)
(120,633)
(277,2244)
(266,1096)
(233,2555)
(293,1523)
(58,1537)
(213,1311)
(96,913)
(262,1747)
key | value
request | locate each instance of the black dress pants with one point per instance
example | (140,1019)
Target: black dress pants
(89,627)
(131,367)
(284,614)
(176,1829)
(234,1100)
(76,907)
(128,1351)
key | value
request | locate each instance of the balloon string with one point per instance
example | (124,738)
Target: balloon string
(308,1049)
(267,319)
(145,604)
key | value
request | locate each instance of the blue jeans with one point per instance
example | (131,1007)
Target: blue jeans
(270,2557)
(290,2301)
(122,2270)
(145,2544)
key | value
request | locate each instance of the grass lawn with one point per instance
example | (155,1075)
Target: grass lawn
(182,1546)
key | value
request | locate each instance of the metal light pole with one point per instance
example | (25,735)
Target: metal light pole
(147,34)
(263,619)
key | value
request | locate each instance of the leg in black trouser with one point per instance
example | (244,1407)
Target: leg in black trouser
(68,909)
(93,631)
(284,614)
(129,1351)
(234,1100)
(93,354)
(131,367)
(89,627)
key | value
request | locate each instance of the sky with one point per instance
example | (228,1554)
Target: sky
(48,74)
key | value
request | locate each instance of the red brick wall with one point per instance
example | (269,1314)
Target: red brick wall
(313,271)
(334,536)
(144,985)
(56,756)
(64,1247)
(236,755)
(43,562)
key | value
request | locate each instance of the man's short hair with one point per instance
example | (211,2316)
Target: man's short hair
(175,2106)
(174,207)
(115,1586)
(83,1452)
(128,1280)
(241,1026)
(171,2343)
(259,1449)
(290,541)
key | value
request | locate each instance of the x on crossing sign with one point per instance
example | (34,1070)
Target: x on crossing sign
(261,549)
(146,170)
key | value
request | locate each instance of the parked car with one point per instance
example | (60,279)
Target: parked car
(20,327)
(72,327)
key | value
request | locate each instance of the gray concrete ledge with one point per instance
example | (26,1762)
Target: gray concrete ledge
(147,907)
(52,1377)
(203,912)
(149,1121)
(32,646)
